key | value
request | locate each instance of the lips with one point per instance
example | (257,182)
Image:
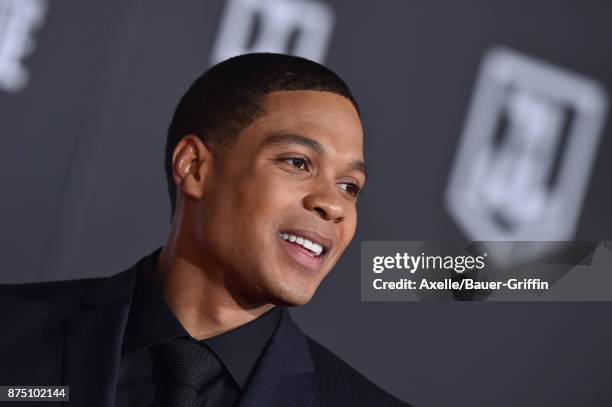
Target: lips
(311,235)
(313,247)
(307,258)
(302,256)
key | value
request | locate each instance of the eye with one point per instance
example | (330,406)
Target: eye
(350,188)
(297,162)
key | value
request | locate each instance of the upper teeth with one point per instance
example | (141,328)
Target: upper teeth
(313,247)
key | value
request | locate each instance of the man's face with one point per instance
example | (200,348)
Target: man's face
(290,177)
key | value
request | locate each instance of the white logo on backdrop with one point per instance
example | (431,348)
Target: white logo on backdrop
(18,20)
(298,27)
(526,152)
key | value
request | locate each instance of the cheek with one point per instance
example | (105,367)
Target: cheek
(271,196)
(253,208)
(348,229)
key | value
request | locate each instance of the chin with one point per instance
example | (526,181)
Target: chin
(290,296)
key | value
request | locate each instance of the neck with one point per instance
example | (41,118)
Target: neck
(199,299)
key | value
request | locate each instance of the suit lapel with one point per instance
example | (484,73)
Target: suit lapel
(283,376)
(93,338)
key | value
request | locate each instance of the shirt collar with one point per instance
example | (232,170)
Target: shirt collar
(151,321)
(241,348)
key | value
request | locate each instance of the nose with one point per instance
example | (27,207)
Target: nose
(327,203)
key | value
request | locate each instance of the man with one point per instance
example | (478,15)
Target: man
(264,160)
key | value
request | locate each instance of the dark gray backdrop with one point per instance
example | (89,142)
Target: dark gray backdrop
(84,191)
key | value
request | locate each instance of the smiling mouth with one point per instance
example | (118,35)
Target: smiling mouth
(312,248)
(304,252)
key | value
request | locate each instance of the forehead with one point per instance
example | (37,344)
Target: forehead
(329,118)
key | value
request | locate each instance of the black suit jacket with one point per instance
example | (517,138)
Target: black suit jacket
(70,333)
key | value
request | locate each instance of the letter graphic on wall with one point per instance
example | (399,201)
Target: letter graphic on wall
(298,27)
(527,150)
(18,20)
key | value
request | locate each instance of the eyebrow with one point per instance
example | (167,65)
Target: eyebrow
(295,139)
(283,139)
(360,166)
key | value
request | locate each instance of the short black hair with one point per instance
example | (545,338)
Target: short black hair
(229,96)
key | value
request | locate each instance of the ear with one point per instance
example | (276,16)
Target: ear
(191,162)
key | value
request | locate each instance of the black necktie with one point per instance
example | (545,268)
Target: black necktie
(181,368)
